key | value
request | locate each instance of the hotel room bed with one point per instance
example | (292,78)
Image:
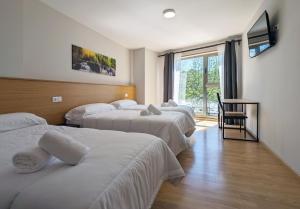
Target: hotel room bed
(121,170)
(169,126)
(188,111)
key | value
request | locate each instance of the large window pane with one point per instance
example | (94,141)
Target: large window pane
(213,69)
(189,82)
(212,100)
(196,83)
(213,84)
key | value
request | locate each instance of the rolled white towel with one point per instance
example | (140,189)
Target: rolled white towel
(145,113)
(154,109)
(63,147)
(31,160)
(172,103)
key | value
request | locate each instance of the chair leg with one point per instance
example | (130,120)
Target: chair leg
(219,116)
(221,124)
(240,121)
(223,127)
(244,128)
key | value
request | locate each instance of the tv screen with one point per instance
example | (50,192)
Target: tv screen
(259,36)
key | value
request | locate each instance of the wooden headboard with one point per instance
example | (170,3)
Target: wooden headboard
(35,96)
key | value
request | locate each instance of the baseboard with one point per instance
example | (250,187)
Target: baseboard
(279,158)
(275,154)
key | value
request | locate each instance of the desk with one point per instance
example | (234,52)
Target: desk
(245,102)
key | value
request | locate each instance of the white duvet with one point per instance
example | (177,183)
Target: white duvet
(169,126)
(121,171)
(188,111)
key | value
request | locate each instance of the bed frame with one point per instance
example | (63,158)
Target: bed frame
(35,96)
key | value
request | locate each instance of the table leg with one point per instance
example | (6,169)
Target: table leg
(257,124)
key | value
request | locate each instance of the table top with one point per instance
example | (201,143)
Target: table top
(239,101)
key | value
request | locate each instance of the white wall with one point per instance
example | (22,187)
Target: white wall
(144,75)
(160,63)
(37,44)
(10,36)
(273,79)
(150,77)
(138,69)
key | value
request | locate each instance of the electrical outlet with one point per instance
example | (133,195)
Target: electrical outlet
(57,99)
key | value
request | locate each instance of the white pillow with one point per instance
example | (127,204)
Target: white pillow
(172,103)
(12,121)
(123,103)
(78,112)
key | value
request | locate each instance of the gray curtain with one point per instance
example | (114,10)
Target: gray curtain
(230,71)
(168,76)
(230,75)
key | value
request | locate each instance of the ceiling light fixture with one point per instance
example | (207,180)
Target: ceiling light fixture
(169,13)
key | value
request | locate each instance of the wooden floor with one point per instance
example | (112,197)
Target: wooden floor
(230,174)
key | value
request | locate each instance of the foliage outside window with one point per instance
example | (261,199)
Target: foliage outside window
(191,84)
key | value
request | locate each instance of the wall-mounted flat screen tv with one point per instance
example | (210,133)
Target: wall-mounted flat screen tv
(260,36)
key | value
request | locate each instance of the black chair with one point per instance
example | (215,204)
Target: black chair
(227,115)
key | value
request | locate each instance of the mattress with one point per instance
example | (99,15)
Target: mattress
(122,170)
(169,126)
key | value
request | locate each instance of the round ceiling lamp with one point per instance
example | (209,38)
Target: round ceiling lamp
(169,13)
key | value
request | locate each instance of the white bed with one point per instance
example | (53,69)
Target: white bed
(169,126)
(188,111)
(129,104)
(122,170)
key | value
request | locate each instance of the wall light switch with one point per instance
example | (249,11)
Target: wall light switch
(57,99)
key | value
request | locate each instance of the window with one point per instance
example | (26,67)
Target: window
(196,82)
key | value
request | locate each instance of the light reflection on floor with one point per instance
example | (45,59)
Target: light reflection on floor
(205,154)
(202,125)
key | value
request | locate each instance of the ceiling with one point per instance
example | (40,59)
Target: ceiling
(140,23)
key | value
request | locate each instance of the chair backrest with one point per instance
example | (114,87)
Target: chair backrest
(220,103)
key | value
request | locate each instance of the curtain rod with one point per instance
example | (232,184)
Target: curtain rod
(204,47)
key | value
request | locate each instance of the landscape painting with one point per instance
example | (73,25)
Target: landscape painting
(86,60)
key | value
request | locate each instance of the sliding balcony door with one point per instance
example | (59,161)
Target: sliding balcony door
(196,82)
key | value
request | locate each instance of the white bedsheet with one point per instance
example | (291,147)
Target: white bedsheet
(122,170)
(188,111)
(169,126)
